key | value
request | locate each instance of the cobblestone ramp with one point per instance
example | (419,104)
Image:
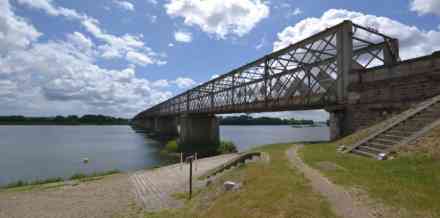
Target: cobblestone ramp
(154,188)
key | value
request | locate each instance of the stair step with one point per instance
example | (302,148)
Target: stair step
(378,144)
(392,137)
(398,133)
(371,149)
(386,140)
(423,120)
(408,128)
(427,115)
(364,153)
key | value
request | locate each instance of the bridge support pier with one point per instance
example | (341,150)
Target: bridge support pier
(336,122)
(199,133)
(145,124)
(165,126)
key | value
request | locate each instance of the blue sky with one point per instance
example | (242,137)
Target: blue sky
(118,57)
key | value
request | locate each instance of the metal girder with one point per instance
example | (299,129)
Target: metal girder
(311,73)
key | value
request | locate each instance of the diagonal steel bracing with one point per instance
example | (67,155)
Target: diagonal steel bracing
(312,73)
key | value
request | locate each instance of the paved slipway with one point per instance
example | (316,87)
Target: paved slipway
(154,188)
(108,197)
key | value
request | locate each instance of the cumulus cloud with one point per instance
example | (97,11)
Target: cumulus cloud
(183,36)
(49,8)
(15,32)
(220,17)
(124,5)
(129,46)
(423,7)
(413,41)
(61,76)
(183,82)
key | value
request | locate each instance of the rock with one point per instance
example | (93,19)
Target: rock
(229,185)
(382,156)
(71,182)
(341,148)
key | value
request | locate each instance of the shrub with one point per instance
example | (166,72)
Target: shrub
(171,146)
(226,147)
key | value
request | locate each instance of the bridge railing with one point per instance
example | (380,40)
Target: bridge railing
(309,74)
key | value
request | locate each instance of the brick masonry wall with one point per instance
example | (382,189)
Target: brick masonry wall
(377,94)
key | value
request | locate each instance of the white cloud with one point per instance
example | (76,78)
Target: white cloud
(15,32)
(295,12)
(423,7)
(183,82)
(261,44)
(114,46)
(220,17)
(154,2)
(80,40)
(49,8)
(138,58)
(183,36)
(152,18)
(62,77)
(413,41)
(170,44)
(162,83)
(124,5)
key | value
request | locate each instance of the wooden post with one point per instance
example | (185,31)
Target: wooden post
(181,160)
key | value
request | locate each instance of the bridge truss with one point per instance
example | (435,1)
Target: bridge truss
(310,74)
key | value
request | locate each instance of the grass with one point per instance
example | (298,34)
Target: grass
(21,183)
(54,182)
(272,189)
(411,181)
(82,176)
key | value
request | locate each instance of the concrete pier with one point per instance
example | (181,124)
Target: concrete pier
(166,126)
(200,132)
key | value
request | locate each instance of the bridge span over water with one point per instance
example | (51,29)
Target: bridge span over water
(353,72)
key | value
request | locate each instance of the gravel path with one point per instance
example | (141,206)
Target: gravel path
(112,196)
(341,201)
(154,188)
(104,198)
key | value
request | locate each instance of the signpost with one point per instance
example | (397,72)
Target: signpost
(190,160)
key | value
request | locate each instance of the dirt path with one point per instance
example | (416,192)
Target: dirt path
(154,188)
(342,203)
(104,198)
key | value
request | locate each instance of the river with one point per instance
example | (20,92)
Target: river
(40,152)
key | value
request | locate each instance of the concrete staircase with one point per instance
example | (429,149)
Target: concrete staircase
(401,129)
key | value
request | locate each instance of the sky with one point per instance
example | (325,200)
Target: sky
(119,57)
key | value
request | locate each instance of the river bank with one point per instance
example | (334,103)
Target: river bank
(120,194)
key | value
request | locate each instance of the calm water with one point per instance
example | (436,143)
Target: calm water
(39,152)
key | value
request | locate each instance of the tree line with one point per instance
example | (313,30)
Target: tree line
(248,120)
(64,120)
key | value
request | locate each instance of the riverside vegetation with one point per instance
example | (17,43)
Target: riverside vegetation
(225,147)
(76,176)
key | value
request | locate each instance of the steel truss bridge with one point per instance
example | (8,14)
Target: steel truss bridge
(310,74)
